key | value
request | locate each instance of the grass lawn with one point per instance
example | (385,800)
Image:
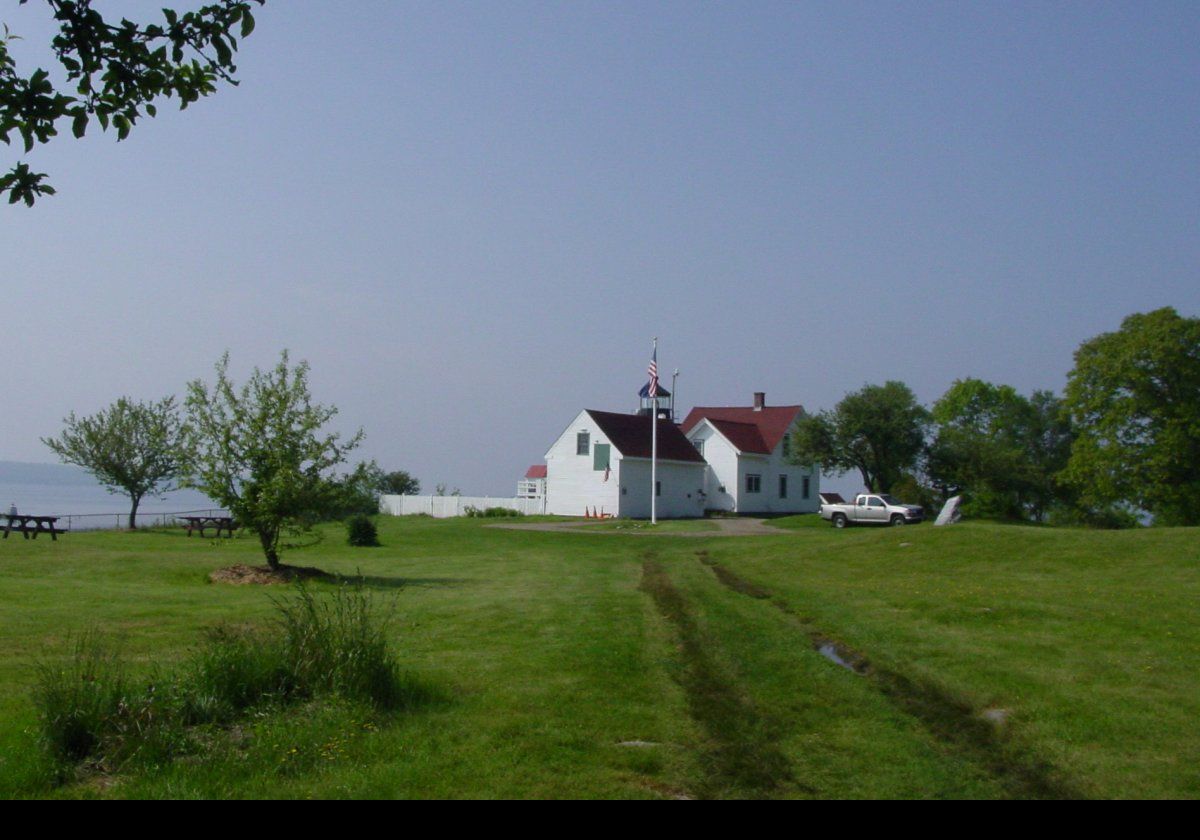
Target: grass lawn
(989,661)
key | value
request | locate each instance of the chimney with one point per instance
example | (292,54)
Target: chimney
(760,400)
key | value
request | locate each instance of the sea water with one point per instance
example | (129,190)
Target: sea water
(54,490)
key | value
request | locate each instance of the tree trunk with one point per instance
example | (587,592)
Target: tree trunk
(137,500)
(267,540)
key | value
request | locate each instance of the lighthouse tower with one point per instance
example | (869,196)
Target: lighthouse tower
(664,402)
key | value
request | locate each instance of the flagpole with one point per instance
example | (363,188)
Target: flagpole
(654,447)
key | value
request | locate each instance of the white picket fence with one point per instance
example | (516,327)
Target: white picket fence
(442,507)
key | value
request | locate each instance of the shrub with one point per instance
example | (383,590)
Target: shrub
(361,531)
(492,512)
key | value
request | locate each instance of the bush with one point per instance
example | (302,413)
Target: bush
(361,531)
(492,512)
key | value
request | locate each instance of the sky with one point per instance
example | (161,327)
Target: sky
(471,219)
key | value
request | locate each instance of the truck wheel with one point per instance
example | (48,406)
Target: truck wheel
(839,520)
(898,519)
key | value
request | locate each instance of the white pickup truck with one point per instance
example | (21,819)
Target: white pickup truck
(869,509)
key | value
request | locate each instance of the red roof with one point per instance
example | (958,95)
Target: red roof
(536,471)
(771,424)
(630,433)
(745,436)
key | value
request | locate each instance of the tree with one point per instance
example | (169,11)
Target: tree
(400,483)
(114,75)
(130,447)
(1001,449)
(879,431)
(260,450)
(359,491)
(1134,396)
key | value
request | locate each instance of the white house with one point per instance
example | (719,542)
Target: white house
(601,463)
(746,450)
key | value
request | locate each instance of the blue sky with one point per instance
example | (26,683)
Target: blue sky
(471,218)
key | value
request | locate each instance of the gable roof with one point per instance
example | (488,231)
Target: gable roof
(745,436)
(630,433)
(771,422)
(536,471)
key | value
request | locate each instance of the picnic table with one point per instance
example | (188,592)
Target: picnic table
(27,525)
(199,523)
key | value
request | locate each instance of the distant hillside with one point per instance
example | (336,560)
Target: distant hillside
(19,472)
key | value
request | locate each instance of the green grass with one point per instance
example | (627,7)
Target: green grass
(549,651)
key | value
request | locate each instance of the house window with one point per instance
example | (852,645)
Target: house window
(753,483)
(583,443)
(658,488)
(787,446)
(699,444)
(807,487)
(782,486)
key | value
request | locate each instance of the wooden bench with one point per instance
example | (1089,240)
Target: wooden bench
(199,523)
(34,525)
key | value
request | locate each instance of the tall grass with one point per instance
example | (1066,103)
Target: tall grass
(77,702)
(339,646)
(318,647)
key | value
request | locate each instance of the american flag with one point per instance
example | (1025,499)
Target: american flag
(652,390)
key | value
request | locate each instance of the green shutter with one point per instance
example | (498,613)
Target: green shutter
(600,456)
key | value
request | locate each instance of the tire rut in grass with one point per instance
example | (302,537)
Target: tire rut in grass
(951,720)
(740,757)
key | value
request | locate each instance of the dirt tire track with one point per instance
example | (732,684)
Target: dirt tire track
(740,757)
(951,720)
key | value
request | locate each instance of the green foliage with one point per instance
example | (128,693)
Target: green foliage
(1134,396)
(491,513)
(76,703)
(260,451)
(130,447)
(1000,449)
(233,670)
(400,483)
(338,646)
(321,648)
(879,431)
(361,531)
(358,492)
(910,490)
(114,75)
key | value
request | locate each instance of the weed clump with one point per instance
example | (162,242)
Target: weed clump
(318,648)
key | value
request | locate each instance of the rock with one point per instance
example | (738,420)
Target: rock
(950,511)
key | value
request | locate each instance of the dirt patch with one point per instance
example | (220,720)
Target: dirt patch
(243,575)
